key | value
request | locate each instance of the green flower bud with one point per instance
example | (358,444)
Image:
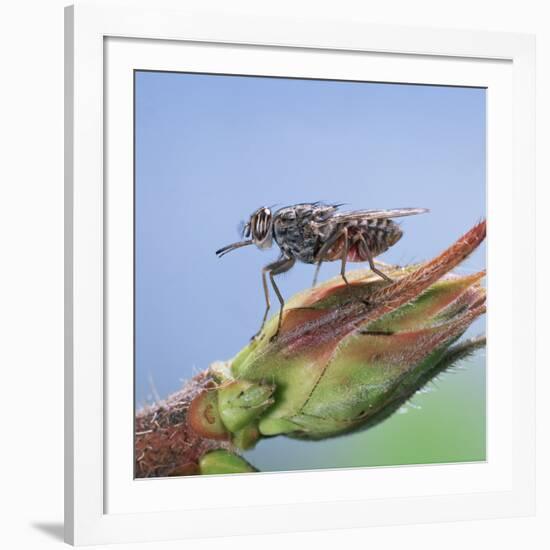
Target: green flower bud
(345,356)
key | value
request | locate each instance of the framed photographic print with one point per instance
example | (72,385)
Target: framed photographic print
(297,288)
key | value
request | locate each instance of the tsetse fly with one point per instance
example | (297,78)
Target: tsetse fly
(314,233)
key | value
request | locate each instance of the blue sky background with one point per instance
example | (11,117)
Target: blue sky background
(211,149)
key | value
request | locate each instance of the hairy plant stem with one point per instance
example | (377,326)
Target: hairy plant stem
(165,443)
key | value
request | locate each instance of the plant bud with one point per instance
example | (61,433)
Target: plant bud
(345,356)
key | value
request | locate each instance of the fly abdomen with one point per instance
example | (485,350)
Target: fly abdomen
(379,235)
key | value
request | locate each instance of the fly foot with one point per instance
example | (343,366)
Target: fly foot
(257,336)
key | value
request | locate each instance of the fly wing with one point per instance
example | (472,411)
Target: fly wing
(378,214)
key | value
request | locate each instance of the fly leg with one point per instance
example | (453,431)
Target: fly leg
(275,268)
(280,267)
(364,248)
(324,249)
(345,250)
(316,276)
(267,301)
(373,267)
(338,234)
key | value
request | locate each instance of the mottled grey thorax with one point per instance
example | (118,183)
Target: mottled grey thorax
(295,233)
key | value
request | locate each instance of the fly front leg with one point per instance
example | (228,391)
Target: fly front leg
(275,268)
(267,301)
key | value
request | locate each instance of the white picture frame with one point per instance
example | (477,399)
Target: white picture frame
(104,44)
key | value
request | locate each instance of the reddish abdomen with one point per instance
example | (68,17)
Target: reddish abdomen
(377,235)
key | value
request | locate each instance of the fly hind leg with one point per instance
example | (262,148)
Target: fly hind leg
(372,265)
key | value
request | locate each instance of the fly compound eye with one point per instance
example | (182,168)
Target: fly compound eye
(261,224)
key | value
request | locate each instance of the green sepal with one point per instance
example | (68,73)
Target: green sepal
(204,416)
(247,437)
(242,401)
(223,462)
(276,426)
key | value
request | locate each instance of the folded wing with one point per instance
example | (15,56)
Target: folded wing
(378,214)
